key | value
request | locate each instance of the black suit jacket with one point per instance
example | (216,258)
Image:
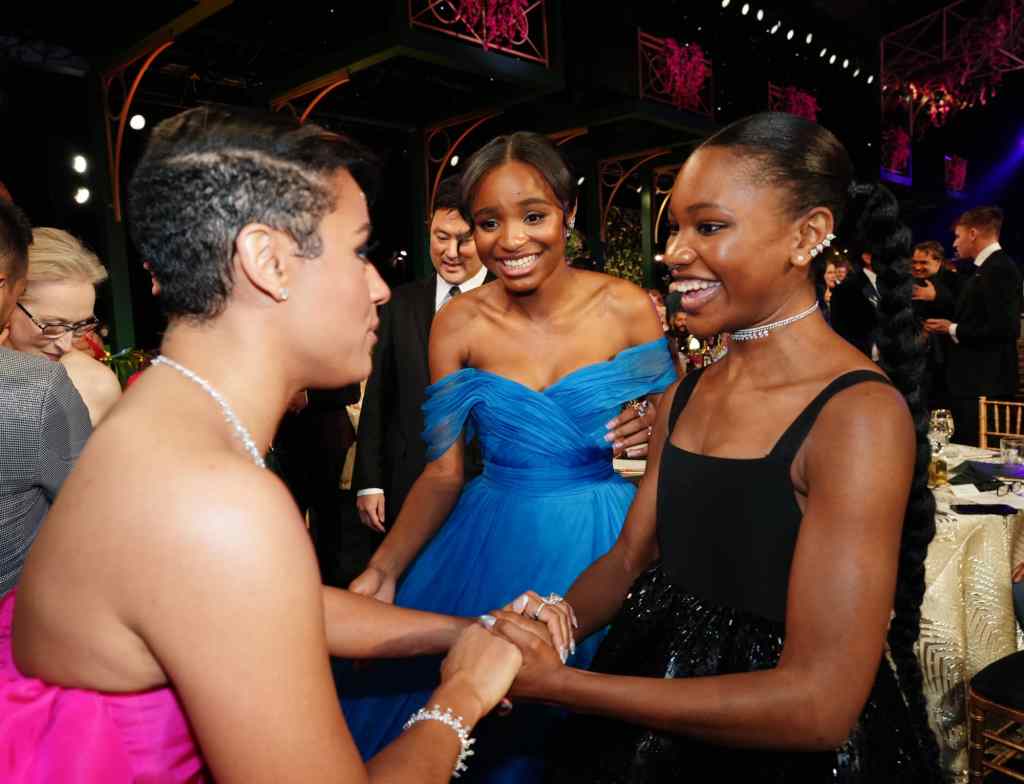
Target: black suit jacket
(854,310)
(983,360)
(390,451)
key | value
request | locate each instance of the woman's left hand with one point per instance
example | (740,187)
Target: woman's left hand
(540,660)
(553,612)
(631,430)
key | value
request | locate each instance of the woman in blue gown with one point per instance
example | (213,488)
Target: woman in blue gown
(535,365)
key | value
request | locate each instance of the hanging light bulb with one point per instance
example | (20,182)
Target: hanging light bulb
(823,52)
(809,38)
(790,34)
(746,9)
(831,60)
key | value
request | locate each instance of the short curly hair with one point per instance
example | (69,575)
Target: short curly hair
(207,173)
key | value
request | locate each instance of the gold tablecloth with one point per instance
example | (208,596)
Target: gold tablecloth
(967,618)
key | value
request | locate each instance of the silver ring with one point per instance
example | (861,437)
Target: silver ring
(540,607)
(640,406)
(554,598)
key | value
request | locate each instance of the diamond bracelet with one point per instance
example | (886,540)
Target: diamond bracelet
(455,722)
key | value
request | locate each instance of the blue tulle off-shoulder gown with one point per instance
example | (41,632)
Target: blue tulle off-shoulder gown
(546,507)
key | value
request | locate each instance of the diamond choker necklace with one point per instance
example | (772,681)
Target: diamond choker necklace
(753,333)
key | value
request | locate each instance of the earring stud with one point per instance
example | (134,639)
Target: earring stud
(283,295)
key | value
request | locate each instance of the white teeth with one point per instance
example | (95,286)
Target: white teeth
(519,264)
(696,285)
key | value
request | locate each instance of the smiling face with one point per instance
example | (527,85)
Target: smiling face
(452,250)
(924,265)
(50,302)
(732,245)
(519,226)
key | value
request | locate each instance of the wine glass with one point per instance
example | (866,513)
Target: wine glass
(940,429)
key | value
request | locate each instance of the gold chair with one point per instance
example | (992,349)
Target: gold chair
(998,418)
(996,696)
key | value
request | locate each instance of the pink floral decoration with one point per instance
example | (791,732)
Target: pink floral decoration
(801,103)
(896,147)
(685,71)
(956,173)
(501,21)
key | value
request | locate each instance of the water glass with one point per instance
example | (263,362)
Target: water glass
(1011,450)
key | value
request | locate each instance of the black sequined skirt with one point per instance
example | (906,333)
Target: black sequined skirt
(662,632)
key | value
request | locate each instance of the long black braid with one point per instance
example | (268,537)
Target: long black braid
(902,358)
(814,170)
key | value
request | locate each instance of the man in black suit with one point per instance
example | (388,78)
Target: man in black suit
(854,304)
(932,298)
(390,452)
(982,335)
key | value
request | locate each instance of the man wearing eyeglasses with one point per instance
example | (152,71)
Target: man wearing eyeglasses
(56,310)
(43,422)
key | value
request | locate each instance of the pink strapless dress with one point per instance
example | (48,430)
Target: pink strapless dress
(73,736)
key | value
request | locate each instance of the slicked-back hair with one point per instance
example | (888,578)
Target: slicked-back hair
(987,220)
(931,248)
(207,173)
(812,169)
(533,149)
(448,196)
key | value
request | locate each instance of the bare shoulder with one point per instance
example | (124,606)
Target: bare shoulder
(85,369)
(221,499)
(626,302)
(222,525)
(866,421)
(96,383)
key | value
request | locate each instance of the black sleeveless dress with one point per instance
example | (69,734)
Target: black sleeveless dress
(716,604)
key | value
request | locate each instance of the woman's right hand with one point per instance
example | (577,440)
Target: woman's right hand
(482,663)
(375,583)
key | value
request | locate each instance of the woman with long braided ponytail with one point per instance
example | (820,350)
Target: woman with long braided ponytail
(775,550)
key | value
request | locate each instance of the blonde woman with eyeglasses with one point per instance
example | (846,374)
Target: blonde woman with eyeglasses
(56,309)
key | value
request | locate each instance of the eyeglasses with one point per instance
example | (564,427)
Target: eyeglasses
(1010,487)
(57,330)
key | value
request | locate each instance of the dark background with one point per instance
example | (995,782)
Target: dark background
(47,113)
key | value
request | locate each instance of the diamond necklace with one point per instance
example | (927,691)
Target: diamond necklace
(229,414)
(753,333)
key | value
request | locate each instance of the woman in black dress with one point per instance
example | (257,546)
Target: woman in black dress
(763,568)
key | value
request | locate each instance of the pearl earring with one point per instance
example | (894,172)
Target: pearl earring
(283,295)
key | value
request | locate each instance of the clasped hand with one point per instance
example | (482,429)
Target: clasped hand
(630,432)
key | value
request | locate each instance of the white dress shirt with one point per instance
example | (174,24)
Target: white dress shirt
(444,287)
(441,298)
(980,259)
